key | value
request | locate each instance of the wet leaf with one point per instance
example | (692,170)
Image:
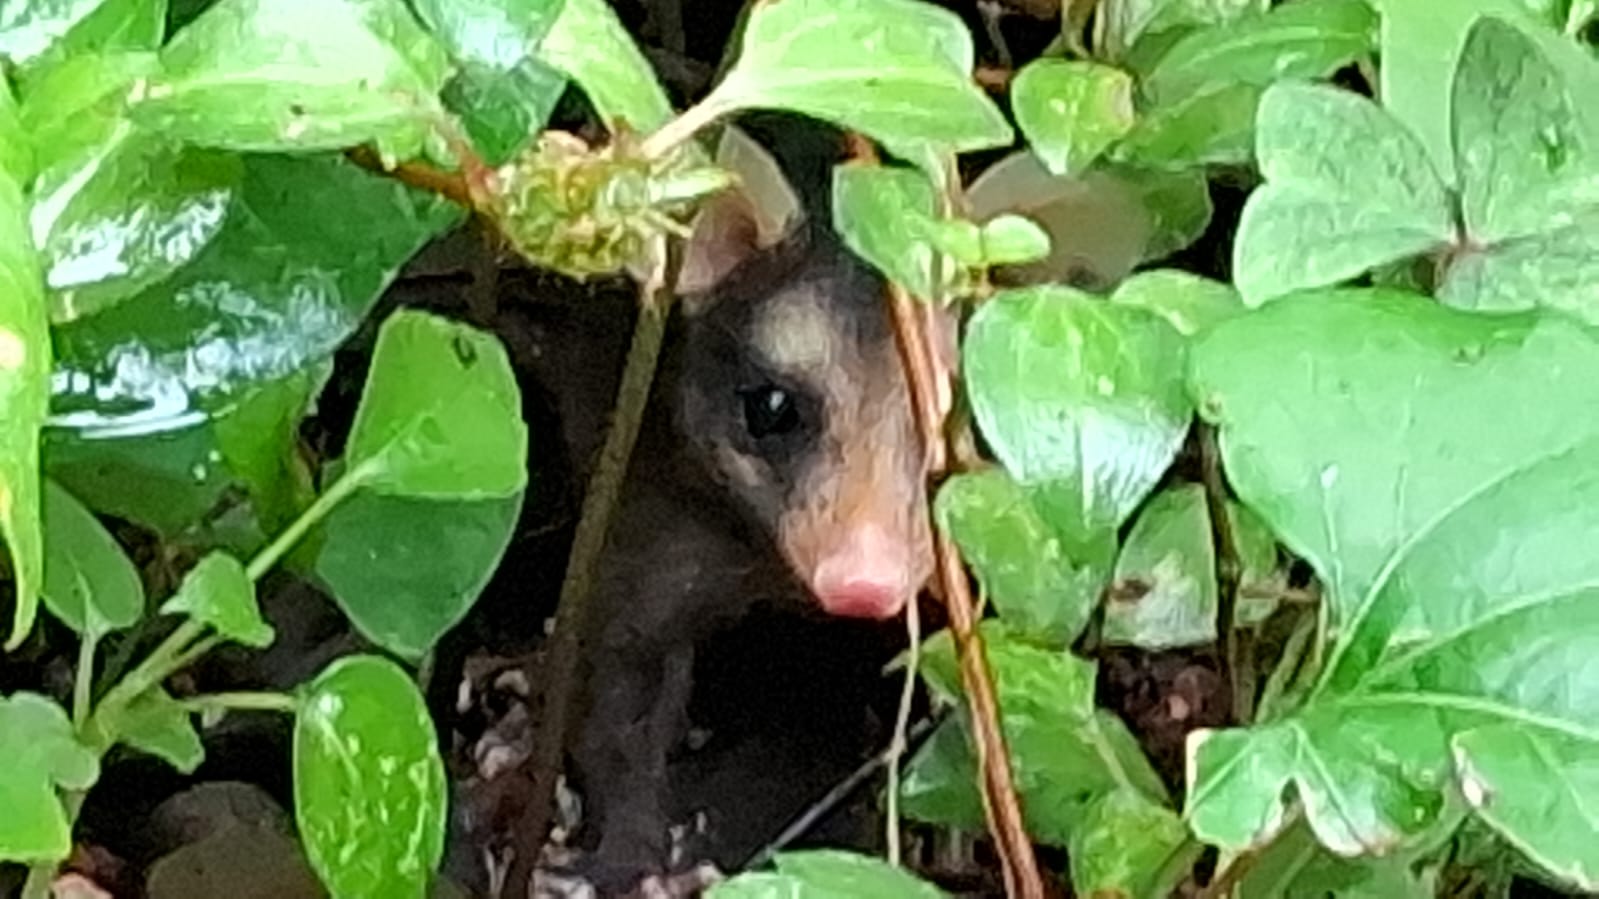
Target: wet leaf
(898,71)
(116,25)
(155,724)
(886,215)
(1038,588)
(407,570)
(825,874)
(1347,188)
(1081,400)
(220,593)
(1071,111)
(369,789)
(41,753)
(504,111)
(258,444)
(1188,302)
(25,364)
(307,248)
(266,75)
(1440,471)
(1064,751)
(1163,592)
(589,43)
(90,584)
(1129,846)
(440,416)
(1298,40)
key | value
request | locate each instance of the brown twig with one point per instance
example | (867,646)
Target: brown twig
(449,185)
(560,669)
(1001,805)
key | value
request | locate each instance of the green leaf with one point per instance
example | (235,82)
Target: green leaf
(1070,111)
(898,71)
(1128,846)
(440,416)
(258,443)
(1295,867)
(1523,160)
(16,156)
(1261,579)
(29,29)
(1163,594)
(1421,47)
(90,584)
(116,25)
(41,753)
(497,33)
(825,874)
(369,788)
(1064,751)
(504,111)
(156,724)
(1037,587)
(25,371)
(1081,400)
(1347,188)
(1558,269)
(1129,21)
(1188,302)
(589,43)
(267,75)
(218,592)
(1399,459)
(308,246)
(1535,788)
(1213,125)
(407,570)
(1012,239)
(1177,203)
(886,214)
(1300,40)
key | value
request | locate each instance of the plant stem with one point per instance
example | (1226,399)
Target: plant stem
(285,541)
(242,701)
(155,668)
(83,681)
(685,126)
(1228,567)
(896,748)
(572,614)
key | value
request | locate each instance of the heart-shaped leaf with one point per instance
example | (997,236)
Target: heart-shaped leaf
(1081,400)
(308,246)
(369,788)
(407,570)
(298,75)
(218,592)
(440,416)
(1037,588)
(25,369)
(90,584)
(898,71)
(886,214)
(1070,111)
(1347,188)
(1398,458)
(41,753)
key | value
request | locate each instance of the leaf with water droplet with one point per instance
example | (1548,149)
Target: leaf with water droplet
(440,416)
(1071,111)
(218,592)
(41,753)
(1082,401)
(90,584)
(369,788)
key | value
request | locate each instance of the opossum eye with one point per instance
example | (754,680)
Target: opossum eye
(769,410)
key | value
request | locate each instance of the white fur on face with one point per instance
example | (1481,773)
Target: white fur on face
(795,335)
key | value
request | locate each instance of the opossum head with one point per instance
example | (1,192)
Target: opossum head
(793,394)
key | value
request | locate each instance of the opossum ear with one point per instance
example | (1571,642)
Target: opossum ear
(740,221)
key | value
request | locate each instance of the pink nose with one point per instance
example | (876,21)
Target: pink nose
(866,577)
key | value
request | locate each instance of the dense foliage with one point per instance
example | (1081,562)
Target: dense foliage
(1398,386)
